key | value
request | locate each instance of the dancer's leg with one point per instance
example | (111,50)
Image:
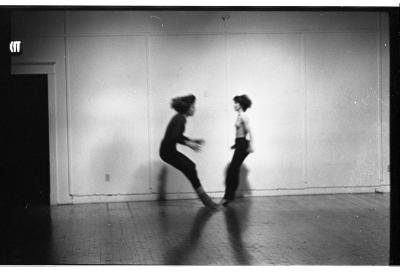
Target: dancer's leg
(232,174)
(188,168)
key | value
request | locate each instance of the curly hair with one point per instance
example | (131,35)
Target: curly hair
(182,104)
(244,101)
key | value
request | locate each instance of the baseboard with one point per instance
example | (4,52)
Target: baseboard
(258,193)
(319,190)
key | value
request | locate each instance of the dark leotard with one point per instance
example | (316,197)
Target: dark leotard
(174,133)
(168,152)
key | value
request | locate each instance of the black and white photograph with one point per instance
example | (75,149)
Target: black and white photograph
(199,135)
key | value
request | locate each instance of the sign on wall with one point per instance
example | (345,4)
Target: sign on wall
(16,48)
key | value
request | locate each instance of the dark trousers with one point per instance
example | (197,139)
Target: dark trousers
(232,173)
(182,163)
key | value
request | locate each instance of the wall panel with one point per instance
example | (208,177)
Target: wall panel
(342,109)
(108,119)
(289,22)
(37,24)
(384,69)
(137,22)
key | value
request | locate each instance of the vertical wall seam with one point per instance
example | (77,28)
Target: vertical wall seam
(68,105)
(303,75)
(380,122)
(149,147)
(225,34)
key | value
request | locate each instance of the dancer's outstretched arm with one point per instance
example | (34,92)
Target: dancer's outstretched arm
(194,144)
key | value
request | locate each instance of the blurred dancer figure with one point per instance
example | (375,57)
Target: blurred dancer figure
(185,107)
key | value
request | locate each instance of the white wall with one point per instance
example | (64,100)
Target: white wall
(319,83)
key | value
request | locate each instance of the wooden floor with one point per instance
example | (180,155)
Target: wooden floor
(345,229)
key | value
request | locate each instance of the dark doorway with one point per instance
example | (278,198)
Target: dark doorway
(28,171)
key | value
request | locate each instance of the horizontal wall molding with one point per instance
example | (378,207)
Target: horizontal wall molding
(140,34)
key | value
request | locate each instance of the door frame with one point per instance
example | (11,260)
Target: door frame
(49,70)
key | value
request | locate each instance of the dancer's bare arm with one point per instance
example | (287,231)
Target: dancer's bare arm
(249,132)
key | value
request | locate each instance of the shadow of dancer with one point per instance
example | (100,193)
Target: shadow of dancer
(236,224)
(163,216)
(162,182)
(179,254)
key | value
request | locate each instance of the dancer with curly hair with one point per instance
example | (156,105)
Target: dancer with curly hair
(185,107)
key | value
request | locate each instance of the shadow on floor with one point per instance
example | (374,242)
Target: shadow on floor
(162,183)
(181,253)
(236,219)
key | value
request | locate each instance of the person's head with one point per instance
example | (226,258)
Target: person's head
(184,104)
(242,102)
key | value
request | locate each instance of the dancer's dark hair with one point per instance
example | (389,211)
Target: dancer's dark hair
(244,101)
(182,104)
